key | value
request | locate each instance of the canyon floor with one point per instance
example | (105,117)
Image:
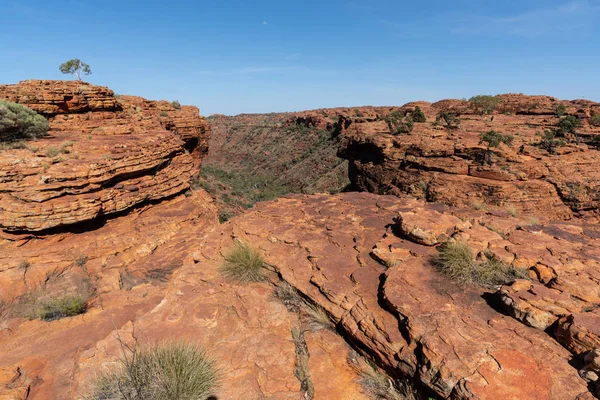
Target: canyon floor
(135,203)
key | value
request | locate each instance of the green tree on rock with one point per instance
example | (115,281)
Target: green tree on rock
(493,139)
(568,126)
(549,141)
(450,119)
(418,115)
(75,67)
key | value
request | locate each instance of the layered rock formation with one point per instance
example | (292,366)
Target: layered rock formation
(450,166)
(367,260)
(103,155)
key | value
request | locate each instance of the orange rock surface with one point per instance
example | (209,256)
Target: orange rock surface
(103,155)
(449,166)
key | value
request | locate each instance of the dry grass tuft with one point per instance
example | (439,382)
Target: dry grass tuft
(169,371)
(457,261)
(243,263)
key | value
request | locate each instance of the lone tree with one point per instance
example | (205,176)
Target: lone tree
(493,139)
(418,115)
(450,119)
(75,67)
(549,141)
(568,125)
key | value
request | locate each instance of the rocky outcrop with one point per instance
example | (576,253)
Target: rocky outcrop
(104,155)
(450,166)
(367,260)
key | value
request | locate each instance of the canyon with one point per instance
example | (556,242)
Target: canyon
(135,203)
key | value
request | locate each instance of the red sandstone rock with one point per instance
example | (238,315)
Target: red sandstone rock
(446,166)
(103,155)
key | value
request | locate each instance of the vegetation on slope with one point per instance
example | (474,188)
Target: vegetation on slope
(256,158)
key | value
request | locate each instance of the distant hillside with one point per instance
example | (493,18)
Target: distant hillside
(263,156)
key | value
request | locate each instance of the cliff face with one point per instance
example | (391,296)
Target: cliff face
(103,155)
(451,166)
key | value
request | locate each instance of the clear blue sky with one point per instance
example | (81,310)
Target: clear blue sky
(262,55)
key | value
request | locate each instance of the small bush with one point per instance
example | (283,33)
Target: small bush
(19,122)
(549,141)
(61,307)
(595,120)
(52,151)
(243,263)
(399,124)
(457,261)
(175,104)
(418,115)
(484,104)
(560,110)
(172,371)
(163,114)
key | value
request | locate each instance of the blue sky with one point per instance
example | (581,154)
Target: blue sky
(264,56)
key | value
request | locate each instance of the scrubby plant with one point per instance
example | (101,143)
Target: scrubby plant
(484,104)
(75,67)
(549,141)
(457,261)
(560,110)
(450,119)
(315,318)
(493,139)
(243,263)
(418,115)
(52,151)
(568,126)
(595,120)
(68,305)
(19,122)
(163,114)
(175,104)
(378,386)
(398,123)
(168,371)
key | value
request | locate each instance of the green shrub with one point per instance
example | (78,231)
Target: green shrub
(450,119)
(61,307)
(549,141)
(595,120)
(568,126)
(484,104)
(398,123)
(493,139)
(457,261)
(418,115)
(560,110)
(163,114)
(19,122)
(171,371)
(175,104)
(243,263)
